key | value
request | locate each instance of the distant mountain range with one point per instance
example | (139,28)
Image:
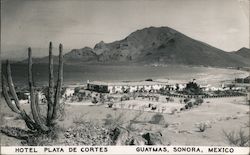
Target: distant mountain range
(156,45)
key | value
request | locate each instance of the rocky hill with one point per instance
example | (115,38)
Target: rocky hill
(244,52)
(85,54)
(158,45)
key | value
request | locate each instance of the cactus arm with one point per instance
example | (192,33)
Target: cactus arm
(37,116)
(24,115)
(7,97)
(59,84)
(33,100)
(29,122)
(11,86)
(51,92)
(30,77)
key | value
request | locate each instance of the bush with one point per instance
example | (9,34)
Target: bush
(113,121)
(94,100)
(193,88)
(124,98)
(186,100)
(202,126)
(166,125)
(77,90)
(110,104)
(173,111)
(30,138)
(157,119)
(199,101)
(238,138)
(190,104)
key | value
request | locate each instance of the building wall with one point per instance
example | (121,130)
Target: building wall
(69,91)
(133,88)
(98,88)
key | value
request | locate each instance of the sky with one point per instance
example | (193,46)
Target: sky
(79,23)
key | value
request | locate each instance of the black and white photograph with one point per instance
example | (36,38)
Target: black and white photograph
(160,76)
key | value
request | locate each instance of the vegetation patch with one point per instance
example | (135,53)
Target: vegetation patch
(237,138)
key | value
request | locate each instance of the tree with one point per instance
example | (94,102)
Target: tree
(177,87)
(193,88)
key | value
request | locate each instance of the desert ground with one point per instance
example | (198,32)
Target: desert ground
(179,128)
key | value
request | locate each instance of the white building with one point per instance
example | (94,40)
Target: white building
(69,92)
(121,87)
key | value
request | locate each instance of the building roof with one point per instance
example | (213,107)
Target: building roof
(128,83)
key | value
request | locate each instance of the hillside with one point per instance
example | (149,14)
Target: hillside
(244,52)
(158,45)
(85,54)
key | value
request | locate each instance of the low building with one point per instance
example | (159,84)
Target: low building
(69,92)
(125,87)
(243,80)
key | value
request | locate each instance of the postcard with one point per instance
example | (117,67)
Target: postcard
(125,77)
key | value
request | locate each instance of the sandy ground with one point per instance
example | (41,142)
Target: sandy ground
(179,129)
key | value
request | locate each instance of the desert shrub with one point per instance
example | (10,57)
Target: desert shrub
(190,104)
(124,98)
(166,125)
(108,120)
(86,133)
(110,104)
(199,101)
(180,101)
(40,139)
(22,96)
(157,98)
(202,126)
(30,138)
(192,88)
(94,100)
(173,110)
(153,107)
(102,98)
(77,90)
(153,138)
(77,120)
(237,138)
(196,103)
(111,121)
(186,100)
(157,119)
(15,132)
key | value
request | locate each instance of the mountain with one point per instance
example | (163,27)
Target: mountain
(244,52)
(158,45)
(164,45)
(85,54)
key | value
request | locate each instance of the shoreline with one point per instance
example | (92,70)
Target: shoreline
(79,76)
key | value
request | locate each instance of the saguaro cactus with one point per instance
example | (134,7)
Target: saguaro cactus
(38,122)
